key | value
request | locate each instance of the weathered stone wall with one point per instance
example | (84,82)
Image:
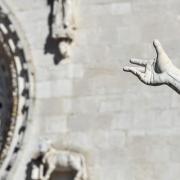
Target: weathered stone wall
(126,130)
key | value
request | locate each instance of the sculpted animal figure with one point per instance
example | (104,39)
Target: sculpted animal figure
(64,161)
(156,71)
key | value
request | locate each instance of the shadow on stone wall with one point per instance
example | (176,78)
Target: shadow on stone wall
(56,175)
(30,165)
(51,44)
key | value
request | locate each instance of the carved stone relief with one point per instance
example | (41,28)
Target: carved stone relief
(63,26)
(58,160)
(157,71)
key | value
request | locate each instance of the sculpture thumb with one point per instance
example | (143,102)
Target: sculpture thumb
(162,59)
(158,47)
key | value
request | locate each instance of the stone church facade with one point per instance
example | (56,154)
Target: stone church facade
(65,103)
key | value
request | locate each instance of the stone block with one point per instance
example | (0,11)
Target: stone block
(59,88)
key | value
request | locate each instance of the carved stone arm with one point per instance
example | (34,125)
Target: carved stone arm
(174,79)
(157,71)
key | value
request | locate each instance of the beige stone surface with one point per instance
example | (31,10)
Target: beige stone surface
(125,130)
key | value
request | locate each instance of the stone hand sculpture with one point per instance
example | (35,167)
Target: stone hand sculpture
(63,26)
(157,71)
(62,160)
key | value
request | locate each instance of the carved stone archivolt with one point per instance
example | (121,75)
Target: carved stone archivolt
(14,94)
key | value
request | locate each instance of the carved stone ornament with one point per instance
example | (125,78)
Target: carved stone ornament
(58,160)
(63,26)
(14,94)
(157,71)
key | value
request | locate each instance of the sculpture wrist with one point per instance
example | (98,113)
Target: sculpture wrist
(173,82)
(166,79)
(173,75)
(159,79)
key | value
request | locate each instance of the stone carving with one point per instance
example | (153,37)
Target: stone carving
(37,172)
(63,26)
(15,94)
(59,160)
(157,71)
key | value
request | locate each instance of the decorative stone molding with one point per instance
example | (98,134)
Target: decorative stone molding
(13,57)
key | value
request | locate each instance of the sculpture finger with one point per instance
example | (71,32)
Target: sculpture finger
(158,47)
(160,51)
(134,70)
(138,61)
(140,69)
